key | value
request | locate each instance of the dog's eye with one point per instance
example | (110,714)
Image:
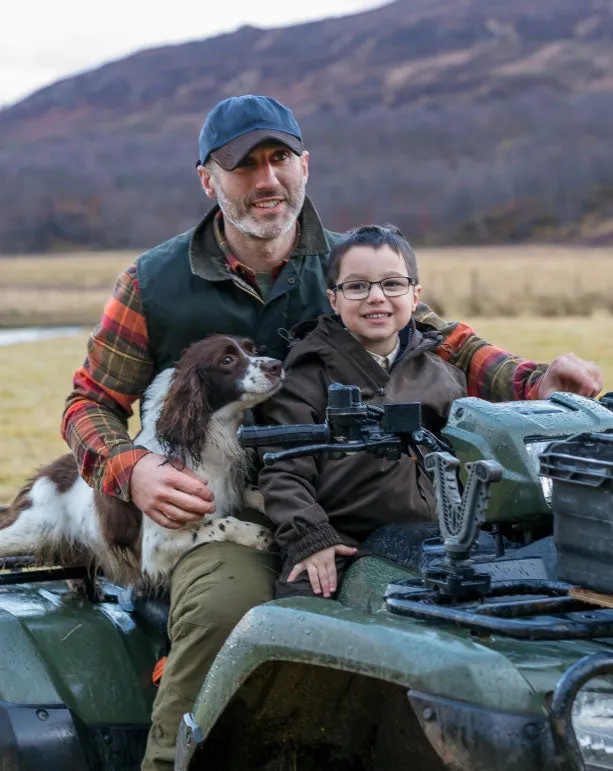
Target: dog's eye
(227,360)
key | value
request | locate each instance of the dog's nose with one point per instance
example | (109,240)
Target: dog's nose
(272,367)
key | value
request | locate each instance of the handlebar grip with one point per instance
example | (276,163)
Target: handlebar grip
(283,436)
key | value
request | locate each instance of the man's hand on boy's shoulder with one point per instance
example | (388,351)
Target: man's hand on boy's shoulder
(570,373)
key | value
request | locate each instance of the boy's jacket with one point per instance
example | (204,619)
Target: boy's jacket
(316,502)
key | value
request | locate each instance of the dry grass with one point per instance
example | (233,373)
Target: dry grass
(458,282)
(517,280)
(58,289)
(36,377)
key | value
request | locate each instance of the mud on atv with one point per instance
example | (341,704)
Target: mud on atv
(458,647)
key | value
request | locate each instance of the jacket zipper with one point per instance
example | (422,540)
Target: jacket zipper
(247,288)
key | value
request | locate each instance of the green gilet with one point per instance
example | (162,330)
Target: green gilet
(189,292)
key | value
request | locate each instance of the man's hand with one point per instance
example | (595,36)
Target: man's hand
(570,373)
(170,495)
(322,569)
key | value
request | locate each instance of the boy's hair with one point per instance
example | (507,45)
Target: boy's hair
(376,236)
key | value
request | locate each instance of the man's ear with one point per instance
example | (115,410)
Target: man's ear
(304,160)
(207,182)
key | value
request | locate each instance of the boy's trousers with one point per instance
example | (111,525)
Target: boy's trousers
(212,587)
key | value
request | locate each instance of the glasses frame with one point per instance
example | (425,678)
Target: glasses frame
(412,282)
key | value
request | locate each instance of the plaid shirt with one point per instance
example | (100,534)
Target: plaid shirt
(119,367)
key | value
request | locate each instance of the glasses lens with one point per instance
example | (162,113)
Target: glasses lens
(393,287)
(356,290)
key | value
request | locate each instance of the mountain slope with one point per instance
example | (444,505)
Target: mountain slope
(434,114)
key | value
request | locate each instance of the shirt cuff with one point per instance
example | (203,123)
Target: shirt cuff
(118,472)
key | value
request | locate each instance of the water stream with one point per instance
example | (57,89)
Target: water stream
(32,334)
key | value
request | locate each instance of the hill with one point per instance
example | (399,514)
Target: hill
(459,120)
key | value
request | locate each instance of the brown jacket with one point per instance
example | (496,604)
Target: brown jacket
(316,502)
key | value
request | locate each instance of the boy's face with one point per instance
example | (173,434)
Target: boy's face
(376,320)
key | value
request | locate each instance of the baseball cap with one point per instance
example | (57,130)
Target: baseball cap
(236,125)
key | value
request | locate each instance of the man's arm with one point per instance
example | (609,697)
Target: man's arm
(116,371)
(498,375)
(491,373)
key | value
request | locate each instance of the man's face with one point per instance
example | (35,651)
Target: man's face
(263,196)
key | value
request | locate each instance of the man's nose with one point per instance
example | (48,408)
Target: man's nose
(266,176)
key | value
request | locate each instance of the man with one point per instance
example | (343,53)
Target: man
(254,266)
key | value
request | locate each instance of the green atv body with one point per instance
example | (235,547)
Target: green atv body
(352,683)
(75,676)
(307,683)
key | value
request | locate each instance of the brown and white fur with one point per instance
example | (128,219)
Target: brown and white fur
(191,413)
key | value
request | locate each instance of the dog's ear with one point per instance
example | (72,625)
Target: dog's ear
(182,425)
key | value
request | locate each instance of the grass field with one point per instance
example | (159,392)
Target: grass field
(458,282)
(36,377)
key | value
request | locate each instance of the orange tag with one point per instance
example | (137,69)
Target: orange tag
(158,670)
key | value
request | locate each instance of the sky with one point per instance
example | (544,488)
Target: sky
(42,41)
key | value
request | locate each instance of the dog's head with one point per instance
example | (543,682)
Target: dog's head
(220,376)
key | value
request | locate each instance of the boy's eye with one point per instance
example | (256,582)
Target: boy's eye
(356,286)
(392,282)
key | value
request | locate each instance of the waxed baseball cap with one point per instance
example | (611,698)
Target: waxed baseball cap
(238,124)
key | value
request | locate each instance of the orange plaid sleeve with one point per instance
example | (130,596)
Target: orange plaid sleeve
(116,371)
(491,373)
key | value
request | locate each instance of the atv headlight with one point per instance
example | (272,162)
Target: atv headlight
(534,449)
(593,724)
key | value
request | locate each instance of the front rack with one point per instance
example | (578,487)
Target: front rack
(523,619)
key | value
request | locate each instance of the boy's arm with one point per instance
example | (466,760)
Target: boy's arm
(491,373)
(289,487)
(116,371)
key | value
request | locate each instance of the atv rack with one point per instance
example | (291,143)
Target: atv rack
(523,619)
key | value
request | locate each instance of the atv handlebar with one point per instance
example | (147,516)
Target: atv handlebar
(351,426)
(283,436)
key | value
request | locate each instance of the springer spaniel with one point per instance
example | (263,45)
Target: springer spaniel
(190,413)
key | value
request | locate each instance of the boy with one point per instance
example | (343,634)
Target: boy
(324,508)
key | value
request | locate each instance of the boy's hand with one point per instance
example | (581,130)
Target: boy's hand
(321,568)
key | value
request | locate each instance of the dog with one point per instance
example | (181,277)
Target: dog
(191,414)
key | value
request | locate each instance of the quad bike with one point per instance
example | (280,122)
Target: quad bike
(479,644)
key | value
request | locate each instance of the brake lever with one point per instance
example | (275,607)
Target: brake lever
(389,447)
(314,449)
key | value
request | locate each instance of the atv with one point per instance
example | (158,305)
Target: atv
(479,643)
(463,647)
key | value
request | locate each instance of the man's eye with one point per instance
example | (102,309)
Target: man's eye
(245,163)
(282,155)
(227,360)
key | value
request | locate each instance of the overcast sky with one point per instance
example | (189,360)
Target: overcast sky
(42,41)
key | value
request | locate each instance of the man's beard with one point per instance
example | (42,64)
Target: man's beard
(239,213)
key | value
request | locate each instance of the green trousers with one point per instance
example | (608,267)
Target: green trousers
(212,587)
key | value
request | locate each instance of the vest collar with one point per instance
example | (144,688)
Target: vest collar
(208,261)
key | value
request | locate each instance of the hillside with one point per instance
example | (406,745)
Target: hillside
(470,120)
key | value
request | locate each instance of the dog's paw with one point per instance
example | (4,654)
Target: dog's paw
(253,498)
(252,535)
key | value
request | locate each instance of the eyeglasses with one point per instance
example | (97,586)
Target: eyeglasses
(359,289)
